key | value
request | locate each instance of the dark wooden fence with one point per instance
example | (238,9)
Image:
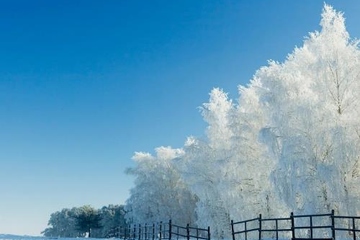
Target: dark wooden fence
(160,231)
(189,232)
(298,227)
(295,227)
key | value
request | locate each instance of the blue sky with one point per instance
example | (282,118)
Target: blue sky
(84,84)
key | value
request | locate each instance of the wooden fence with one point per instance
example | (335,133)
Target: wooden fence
(298,227)
(160,231)
(295,227)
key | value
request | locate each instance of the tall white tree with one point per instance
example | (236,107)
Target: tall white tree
(202,165)
(311,101)
(229,171)
(159,193)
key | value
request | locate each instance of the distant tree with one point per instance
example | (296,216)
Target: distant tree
(80,221)
(62,224)
(87,219)
(112,217)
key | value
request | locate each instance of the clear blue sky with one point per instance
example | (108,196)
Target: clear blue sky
(84,84)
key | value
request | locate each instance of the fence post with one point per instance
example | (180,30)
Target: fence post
(170,229)
(153,232)
(145,234)
(292,225)
(311,227)
(232,230)
(187,232)
(177,233)
(260,226)
(160,233)
(333,224)
(139,237)
(129,230)
(245,227)
(134,233)
(353,227)
(209,234)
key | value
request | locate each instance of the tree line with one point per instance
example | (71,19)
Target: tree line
(85,221)
(290,142)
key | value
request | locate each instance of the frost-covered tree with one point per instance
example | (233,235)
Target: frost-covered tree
(291,143)
(202,166)
(200,169)
(229,171)
(310,103)
(159,193)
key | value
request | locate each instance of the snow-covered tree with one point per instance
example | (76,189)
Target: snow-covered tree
(202,164)
(311,105)
(229,171)
(159,193)
(291,143)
